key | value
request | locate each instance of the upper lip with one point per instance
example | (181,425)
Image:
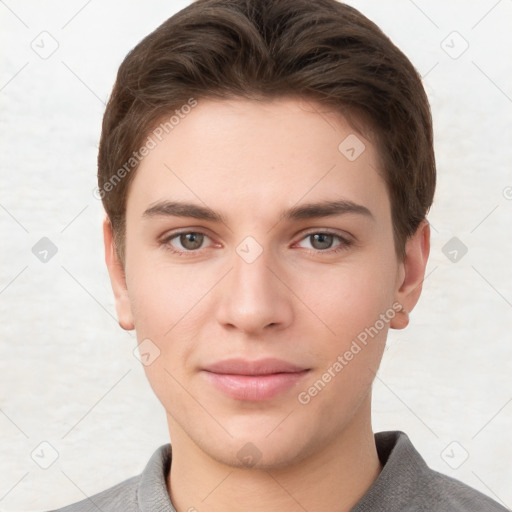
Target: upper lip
(266,366)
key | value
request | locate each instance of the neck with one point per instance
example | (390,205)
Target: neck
(334,478)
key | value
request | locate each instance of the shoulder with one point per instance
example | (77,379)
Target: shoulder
(443,492)
(122,496)
(146,491)
(407,484)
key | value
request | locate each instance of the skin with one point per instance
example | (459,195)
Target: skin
(298,301)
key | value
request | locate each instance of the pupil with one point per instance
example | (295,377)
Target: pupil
(193,238)
(321,237)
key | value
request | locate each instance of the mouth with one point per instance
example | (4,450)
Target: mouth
(254,380)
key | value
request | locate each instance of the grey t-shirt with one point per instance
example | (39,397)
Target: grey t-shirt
(405,484)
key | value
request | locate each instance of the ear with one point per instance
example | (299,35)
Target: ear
(117,278)
(412,273)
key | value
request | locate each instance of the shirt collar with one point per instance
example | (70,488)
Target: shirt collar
(400,460)
(152,495)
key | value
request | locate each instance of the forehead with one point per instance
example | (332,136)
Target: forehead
(258,156)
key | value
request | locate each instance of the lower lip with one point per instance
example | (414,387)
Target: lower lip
(254,387)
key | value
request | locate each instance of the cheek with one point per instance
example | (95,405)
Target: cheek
(166,305)
(163,308)
(355,307)
(357,313)
(161,295)
(348,299)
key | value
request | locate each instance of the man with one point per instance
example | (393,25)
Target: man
(266,169)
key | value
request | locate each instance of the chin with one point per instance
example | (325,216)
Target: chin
(251,448)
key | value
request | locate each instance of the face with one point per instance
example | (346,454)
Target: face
(226,257)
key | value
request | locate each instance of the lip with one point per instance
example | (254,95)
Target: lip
(254,380)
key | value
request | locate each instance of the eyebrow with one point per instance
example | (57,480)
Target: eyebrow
(305,211)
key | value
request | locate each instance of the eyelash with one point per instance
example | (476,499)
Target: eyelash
(345,243)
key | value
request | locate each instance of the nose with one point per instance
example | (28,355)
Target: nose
(253,297)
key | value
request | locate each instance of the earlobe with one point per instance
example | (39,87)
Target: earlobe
(412,274)
(401,320)
(117,278)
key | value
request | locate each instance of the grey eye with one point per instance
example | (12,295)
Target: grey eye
(191,241)
(321,240)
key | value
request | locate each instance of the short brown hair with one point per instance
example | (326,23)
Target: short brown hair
(317,49)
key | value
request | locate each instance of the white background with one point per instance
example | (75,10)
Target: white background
(68,375)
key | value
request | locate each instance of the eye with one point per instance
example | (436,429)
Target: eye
(322,241)
(190,241)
